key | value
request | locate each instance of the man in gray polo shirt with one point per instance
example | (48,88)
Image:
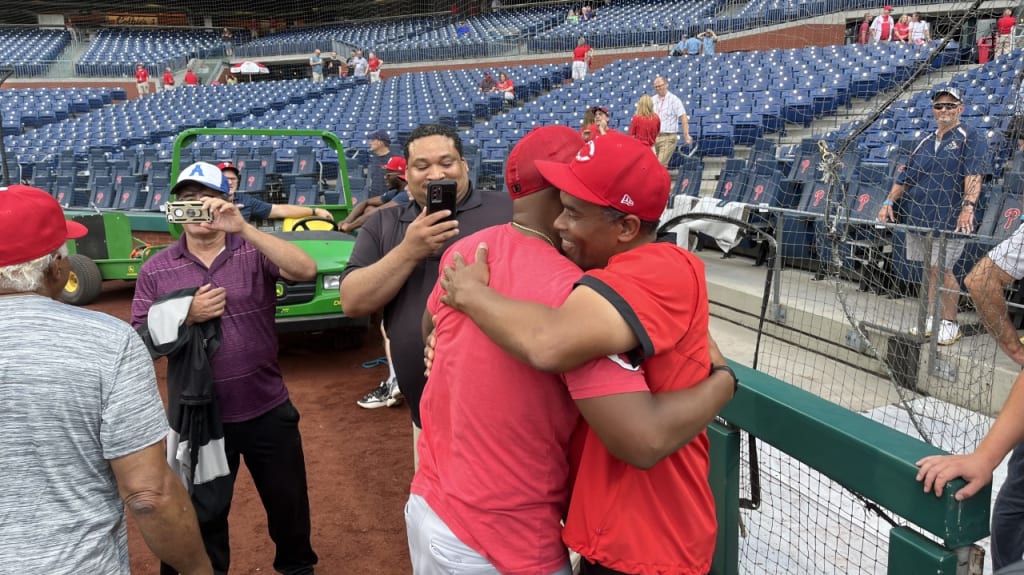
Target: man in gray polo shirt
(672,114)
(394,264)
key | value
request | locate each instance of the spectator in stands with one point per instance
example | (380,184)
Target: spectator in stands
(80,449)
(506,86)
(1004,32)
(587,13)
(360,67)
(572,17)
(901,32)
(708,41)
(373,64)
(595,123)
(920,32)
(168,79)
(882,26)
(394,263)
(680,48)
(462,29)
(940,186)
(235,267)
(672,114)
(227,39)
(692,46)
(864,30)
(380,155)
(230,79)
(487,84)
(252,207)
(331,65)
(645,124)
(396,195)
(141,79)
(316,65)
(581,56)
(190,78)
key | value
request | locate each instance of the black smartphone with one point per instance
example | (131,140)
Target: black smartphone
(441,196)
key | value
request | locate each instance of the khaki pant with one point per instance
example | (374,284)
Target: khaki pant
(664,146)
(143,88)
(1002,45)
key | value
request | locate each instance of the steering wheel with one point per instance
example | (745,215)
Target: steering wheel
(303,224)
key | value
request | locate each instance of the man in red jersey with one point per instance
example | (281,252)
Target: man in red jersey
(638,297)
(1004,32)
(581,60)
(141,79)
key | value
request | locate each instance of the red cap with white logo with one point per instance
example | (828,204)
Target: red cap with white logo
(617,171)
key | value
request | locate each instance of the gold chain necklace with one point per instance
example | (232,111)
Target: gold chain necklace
(542,235)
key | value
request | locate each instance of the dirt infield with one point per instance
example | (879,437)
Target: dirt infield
(359,463)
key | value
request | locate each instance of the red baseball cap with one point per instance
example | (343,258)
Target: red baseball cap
(887,8)
(396,164)
(228,166)
(617,171)
(32,225)
(551,143)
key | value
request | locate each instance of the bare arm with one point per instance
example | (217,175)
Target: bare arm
(368,289)
(359,221)
(585,327)
(684,121)
(976,468)
(294,263)
(987,283)
(281,211)
(642,429)
(160,506)
(885,213)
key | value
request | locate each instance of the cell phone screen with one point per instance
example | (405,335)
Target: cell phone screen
(441,196)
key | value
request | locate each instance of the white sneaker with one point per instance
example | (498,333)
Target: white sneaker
(949,333)
(927,328)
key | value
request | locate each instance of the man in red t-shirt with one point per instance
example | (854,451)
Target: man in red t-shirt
(190,78)
(627,515)
(168,79)
(581,60)
(141,79)
(1004,32)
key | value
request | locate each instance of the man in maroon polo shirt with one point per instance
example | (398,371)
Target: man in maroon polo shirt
(235,266)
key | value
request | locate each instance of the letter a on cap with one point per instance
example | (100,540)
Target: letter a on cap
(198,169)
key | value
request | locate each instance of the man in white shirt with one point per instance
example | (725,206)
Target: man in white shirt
(882,26)
(920,32)
(670,110)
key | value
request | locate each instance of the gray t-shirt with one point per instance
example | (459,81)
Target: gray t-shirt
(77,389)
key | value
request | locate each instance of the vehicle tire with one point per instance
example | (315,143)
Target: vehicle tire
(84,282)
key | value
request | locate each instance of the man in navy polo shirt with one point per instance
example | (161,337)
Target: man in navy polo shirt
(252,207)
(940,187)
(235,266)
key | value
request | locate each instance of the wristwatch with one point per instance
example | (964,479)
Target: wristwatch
(966,203)
(726,368)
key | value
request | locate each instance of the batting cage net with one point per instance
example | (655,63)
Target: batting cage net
(845,148)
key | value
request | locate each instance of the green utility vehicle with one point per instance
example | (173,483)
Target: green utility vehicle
(109,251)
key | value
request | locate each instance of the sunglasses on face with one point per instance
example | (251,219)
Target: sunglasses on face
(944,106)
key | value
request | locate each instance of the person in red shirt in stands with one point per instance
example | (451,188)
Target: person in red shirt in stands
(168,79)
(1004,32)
(645,125)
(373,64)
(506,86)
(641,298)
(595,123)
(581,60)
(141,79)
(190,78)
(864,30)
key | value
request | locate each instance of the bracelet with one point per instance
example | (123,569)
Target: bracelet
(312,213)
(887,203)
(726,368)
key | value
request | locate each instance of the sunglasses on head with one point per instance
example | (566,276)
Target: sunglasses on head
(944,105)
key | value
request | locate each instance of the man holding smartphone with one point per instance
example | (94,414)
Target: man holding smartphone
(394,263)
(236,267)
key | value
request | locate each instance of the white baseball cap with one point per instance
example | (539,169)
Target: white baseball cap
(204,173)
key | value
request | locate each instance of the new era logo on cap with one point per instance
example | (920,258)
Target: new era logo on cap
(203,173)
(605,167)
